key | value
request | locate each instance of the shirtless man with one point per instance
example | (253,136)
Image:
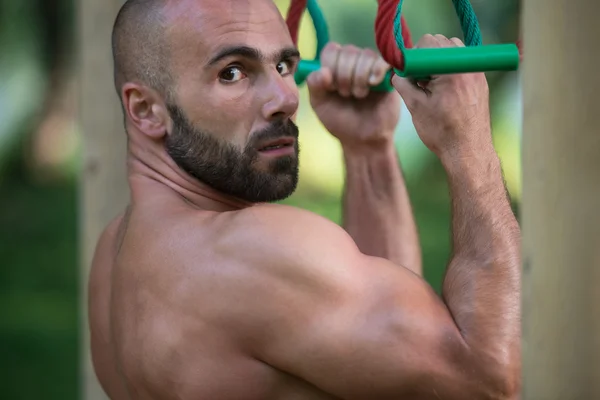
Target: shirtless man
(204,289)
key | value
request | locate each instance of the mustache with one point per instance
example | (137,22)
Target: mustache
(277,130)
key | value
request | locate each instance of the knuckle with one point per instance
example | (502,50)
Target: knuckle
(330,49)
(428,40)
(331,46)
(443,41)
(369,53)
(329,55)
(381,67)
(350,49)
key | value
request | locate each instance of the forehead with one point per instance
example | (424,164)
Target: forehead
(201,27)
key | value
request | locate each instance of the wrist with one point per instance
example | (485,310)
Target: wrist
(478,165)
(465,142)
(374,149)
(371,161)
(468,154)
(373,167)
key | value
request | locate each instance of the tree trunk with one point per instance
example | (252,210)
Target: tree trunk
(104,191)
(561,200)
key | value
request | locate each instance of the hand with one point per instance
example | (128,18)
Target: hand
(340,96)
(450,112)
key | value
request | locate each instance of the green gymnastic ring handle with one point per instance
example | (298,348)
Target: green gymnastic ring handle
(421,64)
(306,67)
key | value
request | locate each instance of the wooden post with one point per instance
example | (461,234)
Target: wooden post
(561,200)
(103,188)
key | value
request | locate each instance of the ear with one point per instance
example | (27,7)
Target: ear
(145,109)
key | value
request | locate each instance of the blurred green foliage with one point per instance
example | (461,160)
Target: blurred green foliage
(38,290)
(38,211)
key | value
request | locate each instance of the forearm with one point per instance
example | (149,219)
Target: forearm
(482,284)
(376,207)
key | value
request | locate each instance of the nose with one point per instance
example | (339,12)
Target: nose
(281,98)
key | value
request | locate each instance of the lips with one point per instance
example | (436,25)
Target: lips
(277,144)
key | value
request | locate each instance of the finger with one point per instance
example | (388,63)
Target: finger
(433,41)
(344,72)
(444,41)
(440,80)
(410,93)
(379,71)
(329,58)
(457,42)
(320,83)
(329,55)
(362,73)
(428,41)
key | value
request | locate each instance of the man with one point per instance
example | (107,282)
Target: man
(204,290)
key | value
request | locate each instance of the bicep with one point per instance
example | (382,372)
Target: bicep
(373,331)
(357,327)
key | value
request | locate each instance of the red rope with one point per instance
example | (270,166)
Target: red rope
(384,29)
(294,16)
(384,33)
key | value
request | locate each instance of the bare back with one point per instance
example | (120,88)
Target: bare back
(145,343)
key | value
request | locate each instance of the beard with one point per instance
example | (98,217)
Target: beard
(232,171)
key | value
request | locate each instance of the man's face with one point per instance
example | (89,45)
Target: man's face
(234,98)
(249,174)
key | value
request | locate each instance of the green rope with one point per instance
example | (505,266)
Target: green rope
(466,15)
(318,19)
(468,22)
(398,27)
(320,25)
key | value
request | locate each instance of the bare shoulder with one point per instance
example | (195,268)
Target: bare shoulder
(291,247)
(281,232)
(291,266)
(296,250)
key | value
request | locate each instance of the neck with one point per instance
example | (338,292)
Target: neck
(150,169)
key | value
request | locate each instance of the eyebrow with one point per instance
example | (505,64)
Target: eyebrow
(253,54)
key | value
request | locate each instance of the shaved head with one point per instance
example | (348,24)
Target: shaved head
(142,45)
(139,46)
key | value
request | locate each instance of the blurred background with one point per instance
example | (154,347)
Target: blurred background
(40,158)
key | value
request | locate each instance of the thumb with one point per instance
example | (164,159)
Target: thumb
(409,92)
(320,83)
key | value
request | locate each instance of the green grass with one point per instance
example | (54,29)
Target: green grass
(38,291)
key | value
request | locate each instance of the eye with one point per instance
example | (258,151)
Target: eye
(231,75)
(284,67)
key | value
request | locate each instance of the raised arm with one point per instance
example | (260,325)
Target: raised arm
(376,206)
(358,326)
